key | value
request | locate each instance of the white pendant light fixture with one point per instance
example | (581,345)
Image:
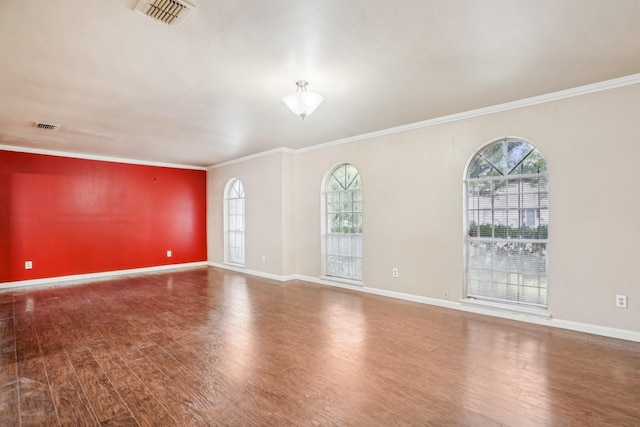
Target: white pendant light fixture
(302,102)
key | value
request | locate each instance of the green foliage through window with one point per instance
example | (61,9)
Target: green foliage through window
(507,199)
(507,157)
(344,200)
(343,245)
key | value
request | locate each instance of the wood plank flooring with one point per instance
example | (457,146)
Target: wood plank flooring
(208,347)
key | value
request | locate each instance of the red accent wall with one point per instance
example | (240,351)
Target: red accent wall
(73,216)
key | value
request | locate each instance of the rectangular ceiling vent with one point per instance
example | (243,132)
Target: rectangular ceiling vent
(171,12)
(47,126)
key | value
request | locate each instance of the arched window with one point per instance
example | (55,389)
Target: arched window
(343,226)
(234,224)
(507,200)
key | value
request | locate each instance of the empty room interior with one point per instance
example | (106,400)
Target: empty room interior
(319,213)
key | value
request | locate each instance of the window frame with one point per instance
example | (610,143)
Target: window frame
(522,247)
(353,262)
(234,223)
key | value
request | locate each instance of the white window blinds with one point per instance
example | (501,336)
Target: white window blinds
(343,244)
(507,199)
(235,223)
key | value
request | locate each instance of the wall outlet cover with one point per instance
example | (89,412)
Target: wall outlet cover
(621,301)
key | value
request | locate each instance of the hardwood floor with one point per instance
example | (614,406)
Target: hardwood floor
(210,347)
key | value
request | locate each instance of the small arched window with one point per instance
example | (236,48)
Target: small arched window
(234,224)
(343,223)
(507,199)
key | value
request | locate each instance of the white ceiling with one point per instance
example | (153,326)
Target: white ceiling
(123,85)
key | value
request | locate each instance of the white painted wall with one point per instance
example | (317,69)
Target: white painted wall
(413,204)
(262,179)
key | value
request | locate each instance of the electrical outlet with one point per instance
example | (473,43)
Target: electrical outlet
(28,265)
(621,301)
(169,254)
(264,258)
(394,272)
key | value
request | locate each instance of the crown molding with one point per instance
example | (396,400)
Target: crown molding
(96,157)
(513,105)
(479,112)
(253,156)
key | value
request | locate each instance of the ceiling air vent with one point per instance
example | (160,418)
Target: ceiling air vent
(171,12)
(47,126)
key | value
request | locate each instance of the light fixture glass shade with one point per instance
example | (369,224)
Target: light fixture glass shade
(302,102)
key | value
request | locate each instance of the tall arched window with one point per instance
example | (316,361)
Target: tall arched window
(507,199)
(343,245)
(234,224)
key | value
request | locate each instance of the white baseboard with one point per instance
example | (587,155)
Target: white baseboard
(530,317)
(540,318)
(257,273)
(83,278)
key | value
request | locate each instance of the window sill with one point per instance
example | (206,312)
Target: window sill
(341,280)
(233,264)
(541,313)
